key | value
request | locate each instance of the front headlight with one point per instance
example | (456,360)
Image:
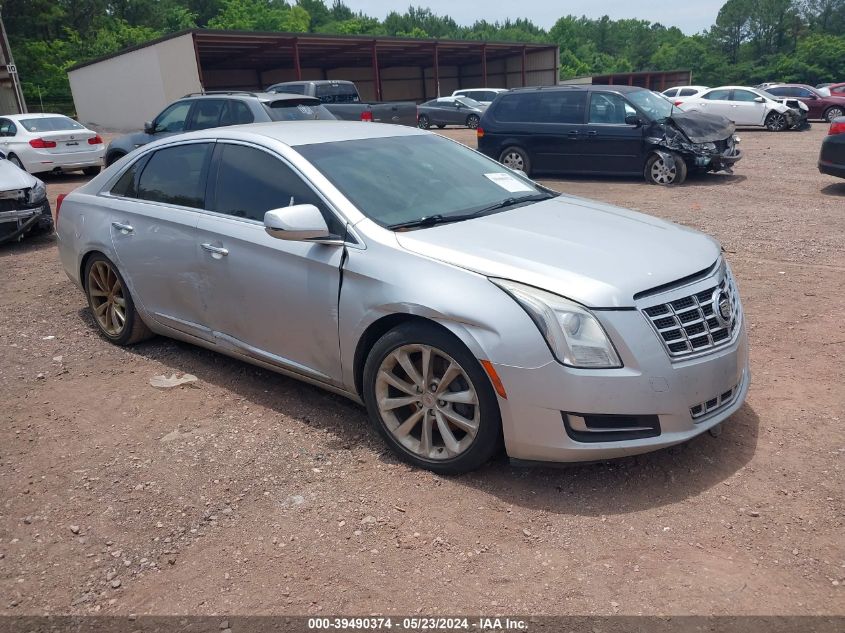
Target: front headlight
(37,194)
(573,334)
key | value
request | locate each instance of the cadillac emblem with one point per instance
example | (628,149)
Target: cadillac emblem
(722,308)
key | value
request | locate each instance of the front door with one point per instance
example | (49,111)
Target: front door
(271,299)
(612,145)
(747,111)
(155,209)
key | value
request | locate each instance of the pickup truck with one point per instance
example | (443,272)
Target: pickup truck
(341,98)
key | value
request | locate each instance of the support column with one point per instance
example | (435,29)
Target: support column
(437,70)
(484,65)
(296,63)
(376,75)
(523,66)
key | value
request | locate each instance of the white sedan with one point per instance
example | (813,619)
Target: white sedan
(681,94)
(50,142)
(745,106)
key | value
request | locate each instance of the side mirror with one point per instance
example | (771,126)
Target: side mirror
(149,127)
(299,223)
(759,100)
(633,119)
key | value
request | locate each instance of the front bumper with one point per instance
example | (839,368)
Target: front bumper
(650,384)
(16,223)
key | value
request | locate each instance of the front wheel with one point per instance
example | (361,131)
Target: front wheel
(833,112)
(665,168)
(430,399)
(472,121)
(423,122)
(776,122)
(516,158)
(111,304)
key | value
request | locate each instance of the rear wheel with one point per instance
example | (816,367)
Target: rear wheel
(440,126)
(111,304)
(91,171)
(776,122)
(472,121)
(833,112)
(16,162)
(112,158)
(430,399)
(665,169)
(423,122)
(516,158)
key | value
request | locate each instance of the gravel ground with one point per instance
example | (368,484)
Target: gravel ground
(253,493)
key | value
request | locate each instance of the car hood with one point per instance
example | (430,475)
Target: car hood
(12,178)
(703,127)
(593,253)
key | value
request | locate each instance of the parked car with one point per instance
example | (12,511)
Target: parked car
(459,301)
(484,96)
(24,208)
(39,143)
(680,94)
(820,106)
(218,109)
(749,107)
(837,90)
(450,111)
(611,130)
(342,99)
(832,154)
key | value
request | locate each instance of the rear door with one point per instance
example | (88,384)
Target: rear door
(205,114)
(716,102)
(153,231)
(271,299)
(612,146)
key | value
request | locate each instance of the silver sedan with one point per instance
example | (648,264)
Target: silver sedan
(464,305)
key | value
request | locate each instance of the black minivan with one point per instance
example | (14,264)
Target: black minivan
(613,130)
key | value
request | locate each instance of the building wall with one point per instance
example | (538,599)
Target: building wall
(123,92)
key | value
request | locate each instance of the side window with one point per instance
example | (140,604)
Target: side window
(803,92)
(516,107)
(717,95)
(206,114)
(127,184)
(176,175)
(173,118)
(561,106)
(778,92)
(743,95)
(671,92)
(251,182)
(297,89)
(488,96)
(7,128)
(236,113)
(686,92)
(609,108)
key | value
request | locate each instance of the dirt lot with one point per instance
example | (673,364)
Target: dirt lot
(254,493)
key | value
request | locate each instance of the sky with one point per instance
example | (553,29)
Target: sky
(691,16)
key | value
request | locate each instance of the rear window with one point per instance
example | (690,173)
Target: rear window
(542,107)
(297,110)
(336,93)
(50,124)
(687,92)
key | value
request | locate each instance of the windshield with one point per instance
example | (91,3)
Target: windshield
(50,124)
(337,93)
(406,178)
(472,103)
(656,107)
(295,110)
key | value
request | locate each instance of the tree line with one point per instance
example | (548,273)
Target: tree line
(751,41)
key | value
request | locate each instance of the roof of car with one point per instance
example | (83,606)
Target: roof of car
(33,115)
(588,87)
(261,96)
(295,133)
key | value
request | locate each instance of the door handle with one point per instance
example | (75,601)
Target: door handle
(592,133)
(219,251)
(126,229)
(573,132)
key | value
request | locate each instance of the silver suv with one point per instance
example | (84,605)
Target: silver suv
(459,301)
(218,109)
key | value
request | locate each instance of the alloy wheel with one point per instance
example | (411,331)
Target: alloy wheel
(832,113)
(513,160)
(662,174)
(107,298)
(427,402)
(776,122)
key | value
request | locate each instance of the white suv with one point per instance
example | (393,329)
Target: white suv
(482,95)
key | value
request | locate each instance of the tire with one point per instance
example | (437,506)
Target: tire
(516,158)
(112,158)
(102,276)
(464,429)
(423,122)
(657,172)
(91,171)
(473,121)
(16,162)
(832,112)
(776,122)
(440,126)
